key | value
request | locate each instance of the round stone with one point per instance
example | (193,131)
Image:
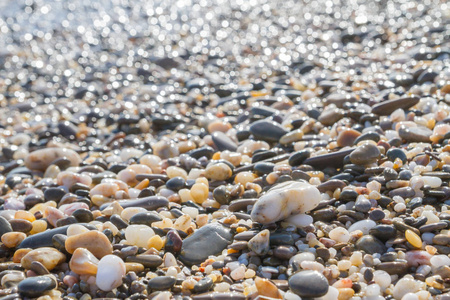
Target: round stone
(308,284)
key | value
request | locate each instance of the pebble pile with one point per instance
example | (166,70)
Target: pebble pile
(224,150)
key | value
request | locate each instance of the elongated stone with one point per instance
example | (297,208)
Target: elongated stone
(149,203)
(34,287)
(41,159)
(387,107)
(44,239)
(334,159)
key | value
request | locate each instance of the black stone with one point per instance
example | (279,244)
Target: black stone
(34,287)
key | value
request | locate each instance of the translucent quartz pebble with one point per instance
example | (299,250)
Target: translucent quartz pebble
(111,269)
(138,235)
(364,226)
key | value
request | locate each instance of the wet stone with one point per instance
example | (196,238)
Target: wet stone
(36,286)
(308,284)
(265,130)
(161,283)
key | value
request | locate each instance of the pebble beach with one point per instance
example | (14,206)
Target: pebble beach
(224,150)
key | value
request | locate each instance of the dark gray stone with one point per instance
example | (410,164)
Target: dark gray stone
(209,240)
(308,284)
(36,286)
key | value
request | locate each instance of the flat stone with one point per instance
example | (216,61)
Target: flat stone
(44,239)
(149,203)
(387,107)
(209,240)
(161,283)
(40,159)
(415,134)
(308,284)
(147,260)
(49,257)
(393,267)
(334,159)
(34,287)
(266,130)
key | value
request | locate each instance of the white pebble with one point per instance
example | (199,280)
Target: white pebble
(238,273)
(300,220)
(75,229)
(222,287)
(410,296)
(299,258)
(111,269)
(138,235)
(364,226)
(404,286)
(332,294)
(339,234)
(373,290)
(382,278)
(439,261)
(399,207)
(432,181)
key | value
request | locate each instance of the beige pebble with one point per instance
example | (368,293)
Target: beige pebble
(94,241)
(13,239)
(47,256)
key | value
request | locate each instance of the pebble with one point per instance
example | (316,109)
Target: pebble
(34,287)
(260,243)
(308,284)
(266,130)
(209,240)
(41,159)
(161,283)
(387,107)
(49,257)
(110,271)
(284,200)
(96,242)
(365,154)
(83,262)
(370,244)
